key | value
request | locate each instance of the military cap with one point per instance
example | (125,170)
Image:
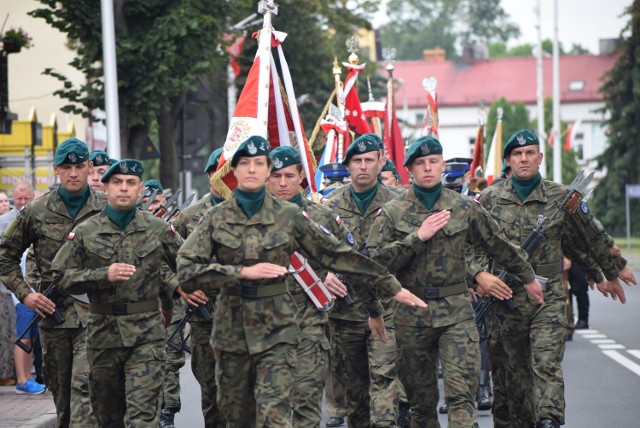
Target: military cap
(391,167)
(284,156)
(505,167)
(125,167)
(459,168)
(252,146)
(112,161)
(71,151)
(150,185)
(212,163)
(423,146)
(333,171)
(521,138)
(99,158)
(458,159)
(363,144)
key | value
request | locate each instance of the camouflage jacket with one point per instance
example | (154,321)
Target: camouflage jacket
(342,203)
(81,267)
(579,229)
(440,261)
(185,223)
(45,224)
(226,241)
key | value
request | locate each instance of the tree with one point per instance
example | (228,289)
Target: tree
(514,117)
(499,49)
(415,25)
(621,92)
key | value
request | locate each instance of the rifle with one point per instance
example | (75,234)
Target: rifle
(50,293)
(569,203)
(182,344)
(178,209)
(161,210)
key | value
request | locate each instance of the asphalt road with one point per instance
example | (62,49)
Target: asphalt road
(601,368)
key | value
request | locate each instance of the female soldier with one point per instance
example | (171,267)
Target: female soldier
(242,247)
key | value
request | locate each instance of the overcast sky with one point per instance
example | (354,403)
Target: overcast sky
(579,21)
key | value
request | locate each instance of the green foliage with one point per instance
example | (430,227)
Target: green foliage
(416,25)
(514,117)
(499,49)
(18,36)
(622,110)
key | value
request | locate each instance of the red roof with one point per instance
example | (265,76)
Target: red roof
(464,84)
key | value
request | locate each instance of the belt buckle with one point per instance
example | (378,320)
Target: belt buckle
(431,293)
(249,291)
(119,309)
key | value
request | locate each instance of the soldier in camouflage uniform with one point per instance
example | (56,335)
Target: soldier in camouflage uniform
(45,223)
(527,345)
(423,237)
(202,355)
(116,258)
(313,350)
(372,390)
(251,237)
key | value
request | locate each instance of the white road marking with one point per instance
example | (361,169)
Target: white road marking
(634,352)
(611,346)
(623,361)
(602,341)
(594,336)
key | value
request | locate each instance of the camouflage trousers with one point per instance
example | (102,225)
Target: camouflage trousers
(458,348)
(203,365)
(526,347)
(66,374)
(310,377)
(255,390)
(367,369)
(174,361)
(334,390)
(126,385)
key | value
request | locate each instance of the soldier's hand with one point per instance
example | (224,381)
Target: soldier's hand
(196,298)
(408,298)
(614,289)
(474,295)
(378,332)
(262,271)
(39,303)
(615,251)
(167,314)
(120,272)
(534,289)
(335,286)
(627,276)
(432,224)
(490,285)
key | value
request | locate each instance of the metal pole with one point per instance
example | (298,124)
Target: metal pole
(267,8)
(626,203)
(557,144)
(110,79)
(540,92)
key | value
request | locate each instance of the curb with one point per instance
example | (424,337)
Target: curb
(48,420)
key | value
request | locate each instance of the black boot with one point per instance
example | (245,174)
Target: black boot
(404,416)
(443,409)
(484,391)
(582,324)
(547,423)
(166,418)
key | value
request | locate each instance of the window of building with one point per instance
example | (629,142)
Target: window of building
(576,85)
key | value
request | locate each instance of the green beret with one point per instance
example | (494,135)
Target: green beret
(391,167)
(99,158)
(212,163)
(284,156)
(71,151)
(252,146)
(363,144)
(124,167)
(112,161)
(521,138)
(423,146)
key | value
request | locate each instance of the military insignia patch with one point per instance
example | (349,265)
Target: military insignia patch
(362,147)
(521,139)
(583,207)
(71,235)
(73,158)
(350,239)
(123,167)
(200,221)
(305,214)
(338,220)
(324,229)
(425,149)
(98,158)
(277,163)
(252,148)
(379,212)
(173,229)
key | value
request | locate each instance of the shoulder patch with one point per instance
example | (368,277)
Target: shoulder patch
(338,220)
(379,212)
(350,239)
(71,236)
(324,229)
(305,214)
(173,228)
(200,221)
(583,207)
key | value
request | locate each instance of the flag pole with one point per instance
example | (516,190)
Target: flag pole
(337,72)
(267,8)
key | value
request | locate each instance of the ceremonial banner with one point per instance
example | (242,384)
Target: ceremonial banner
(478,152)
(494,160)
(353,113)
(571,135)
(431,116)
(393,142)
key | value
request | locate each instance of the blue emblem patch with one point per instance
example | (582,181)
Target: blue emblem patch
(583,207)
(350,239)
(324,229)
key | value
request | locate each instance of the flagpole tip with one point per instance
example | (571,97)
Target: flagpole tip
(267,6)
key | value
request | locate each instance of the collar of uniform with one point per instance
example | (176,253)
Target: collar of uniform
(539,194)
(138,223)
(94,203)
(263,216)
(444,202)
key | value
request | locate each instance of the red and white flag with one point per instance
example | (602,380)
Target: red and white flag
(494,160)
(392,138)
(353,113)
(569,142)
(478,152)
